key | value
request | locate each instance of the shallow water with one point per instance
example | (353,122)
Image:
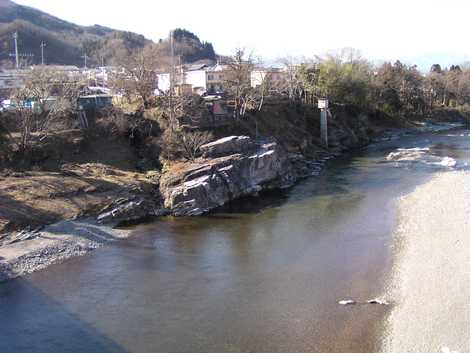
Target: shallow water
(262,276)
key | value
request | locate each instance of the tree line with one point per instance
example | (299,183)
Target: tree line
(397,89)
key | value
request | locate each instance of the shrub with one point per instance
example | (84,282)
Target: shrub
(183,144)
(5,150)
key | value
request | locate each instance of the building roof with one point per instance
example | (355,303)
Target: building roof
(268,69)
(63,67)
(195,67)
(217,67)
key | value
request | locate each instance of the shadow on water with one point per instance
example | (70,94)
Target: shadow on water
(361,168)
(327,183)
(252,204)
(33,322)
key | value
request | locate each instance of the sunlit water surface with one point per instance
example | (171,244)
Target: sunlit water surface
(263,276)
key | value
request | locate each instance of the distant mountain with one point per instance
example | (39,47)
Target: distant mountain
(190,47)
(66,43)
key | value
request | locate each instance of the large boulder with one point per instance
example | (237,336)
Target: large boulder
(228,146)
(196,188)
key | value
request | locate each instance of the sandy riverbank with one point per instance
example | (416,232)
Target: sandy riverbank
(430,284)
(55,243)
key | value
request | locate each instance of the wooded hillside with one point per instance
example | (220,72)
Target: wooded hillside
(67,42)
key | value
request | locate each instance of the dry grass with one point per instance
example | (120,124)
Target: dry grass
(36,198)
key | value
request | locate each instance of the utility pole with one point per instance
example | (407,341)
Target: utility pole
(172,77)
(43,45)
(103,71)
(15,37)
(85,57)
(17,54)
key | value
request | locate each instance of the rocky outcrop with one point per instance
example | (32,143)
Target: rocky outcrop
(228,146)
(247,168)
(130,209)
(348,131)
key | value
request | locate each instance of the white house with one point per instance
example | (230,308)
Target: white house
(100,75)
(260,75)
(197,79)
(193,75)
(215,77)
(201,78)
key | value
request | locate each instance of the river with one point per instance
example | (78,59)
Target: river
(264,276)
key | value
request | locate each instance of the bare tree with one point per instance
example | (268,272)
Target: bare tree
(185,144)
(237,80)
(138,74)
(261,84)
(46,98)
(291,83)
(263,89)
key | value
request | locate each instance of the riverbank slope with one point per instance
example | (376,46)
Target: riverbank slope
(430,284)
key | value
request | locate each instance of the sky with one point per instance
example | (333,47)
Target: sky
(414,31)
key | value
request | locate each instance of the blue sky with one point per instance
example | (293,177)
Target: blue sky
(421,32)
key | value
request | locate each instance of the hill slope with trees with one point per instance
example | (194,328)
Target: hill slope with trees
(68,42)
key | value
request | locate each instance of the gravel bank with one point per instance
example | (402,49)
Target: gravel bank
(54,244)
(430,284)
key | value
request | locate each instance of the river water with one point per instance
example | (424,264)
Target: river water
(264,276)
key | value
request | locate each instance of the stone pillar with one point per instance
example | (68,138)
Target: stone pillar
(323,105)
(324,127)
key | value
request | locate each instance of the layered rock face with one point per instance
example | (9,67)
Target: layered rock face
(227,146)
(128,209)
(241,167)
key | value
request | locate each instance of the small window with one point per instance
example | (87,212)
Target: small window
(210,77)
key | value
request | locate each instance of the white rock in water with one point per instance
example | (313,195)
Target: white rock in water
(378,301)
(447,350)
(346,302)
(408,154)
(448,162)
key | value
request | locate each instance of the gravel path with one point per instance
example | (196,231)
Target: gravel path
(430,284)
